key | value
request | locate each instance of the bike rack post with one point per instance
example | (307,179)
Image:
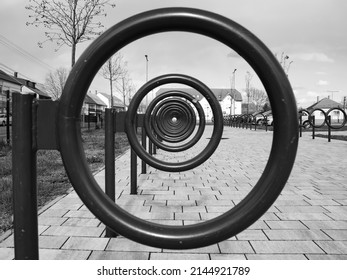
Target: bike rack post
(133,172)
(8,134)
(24,179)
(313,126)
(329,128)
(144,145)
(300,125)
(110,176)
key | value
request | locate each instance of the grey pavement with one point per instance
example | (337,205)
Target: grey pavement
(307,221)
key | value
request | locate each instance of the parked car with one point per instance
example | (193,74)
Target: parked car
(268,120)
(3,119)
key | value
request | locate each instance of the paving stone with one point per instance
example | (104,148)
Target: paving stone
(8,242)
(276,257)
(122,244)
(295,234)
(73,231)
(259,225)
(298,202)
(203,250)
(55,254)
(323,202)
(169,208)
(285,225)
(337,216)
(78,214)
(218,209)
(178,256)
(82,222)
(336,234)
(187,209)
(285,247)
(86,243)
(52,242)
(187,216)
(251,234)
(112,255)
(66,206)
(326,257)
(337,209)
(235,247)
(333,247)
(326,224)
(181,203)
(304,216)
(227,257)
(302,209)
(6,253)
(54,213)
(51,221)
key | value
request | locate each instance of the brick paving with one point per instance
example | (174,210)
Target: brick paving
(308,220)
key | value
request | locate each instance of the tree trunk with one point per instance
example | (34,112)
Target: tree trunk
(111,87)
(73,55)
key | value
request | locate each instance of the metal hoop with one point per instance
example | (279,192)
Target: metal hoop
(344,118)
(187,145)
(155,162)
(311,117)
(285,138)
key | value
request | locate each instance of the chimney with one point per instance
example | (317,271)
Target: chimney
(16,74)
(328,96)
(317,98)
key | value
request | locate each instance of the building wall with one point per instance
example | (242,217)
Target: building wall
(226,103)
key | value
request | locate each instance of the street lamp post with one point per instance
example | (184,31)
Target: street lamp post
(233,93)
(146,56)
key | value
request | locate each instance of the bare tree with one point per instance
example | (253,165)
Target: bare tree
(55,82)
(258,97)
(127,88)
(68,22)
(283,62)
(113,70)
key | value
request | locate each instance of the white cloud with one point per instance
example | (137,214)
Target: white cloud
(312,93)
(322,83)
(314,56)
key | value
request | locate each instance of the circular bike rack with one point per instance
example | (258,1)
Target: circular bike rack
(178,132)
(283,150)
(343,113)
(174,166)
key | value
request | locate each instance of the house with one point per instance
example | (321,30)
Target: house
(106,98)
(30,87)
(93,108)
(7,83)
(325,105)
(230,100)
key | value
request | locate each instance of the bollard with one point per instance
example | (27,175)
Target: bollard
(133,172)
(329,128)
(110,176)
(313,126)
(24,179)
(144,145)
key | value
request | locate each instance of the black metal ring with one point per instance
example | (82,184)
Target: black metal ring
(184,146)
(311,118)
(285,136)
(165,128)
(140,150)
(344,118)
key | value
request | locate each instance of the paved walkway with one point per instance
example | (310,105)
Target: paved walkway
(308,221)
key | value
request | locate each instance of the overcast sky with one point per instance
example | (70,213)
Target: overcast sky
(313,33)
